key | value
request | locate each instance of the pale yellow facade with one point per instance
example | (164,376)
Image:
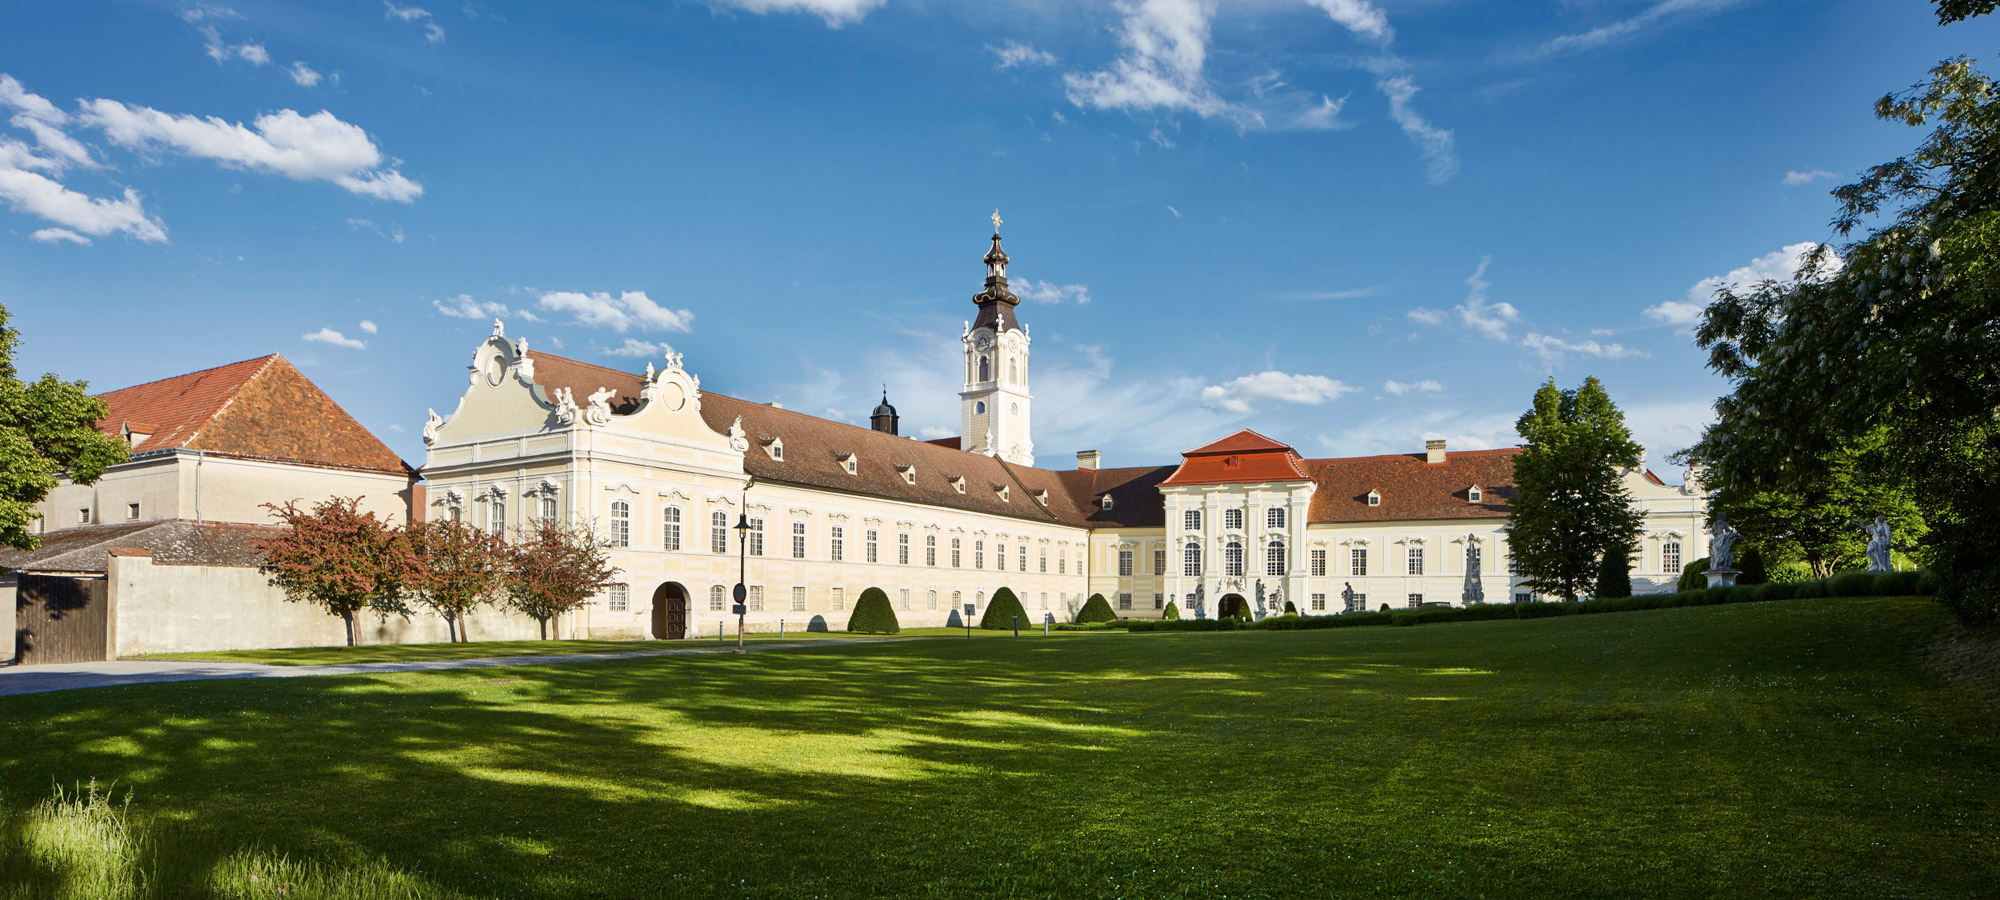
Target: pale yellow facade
(208,487)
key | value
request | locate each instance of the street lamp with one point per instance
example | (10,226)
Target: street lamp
(742,573)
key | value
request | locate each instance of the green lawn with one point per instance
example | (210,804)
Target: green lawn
(1791,749)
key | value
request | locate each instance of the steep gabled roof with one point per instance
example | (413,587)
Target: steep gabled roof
(1245,457)
(261,408)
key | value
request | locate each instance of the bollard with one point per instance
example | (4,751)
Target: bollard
(1017,626)
(1045,628)
(718,632)
(781,629)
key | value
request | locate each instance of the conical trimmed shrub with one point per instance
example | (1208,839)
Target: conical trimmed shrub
(1291,609)
(1095,610)
(1614,575)
(873,614)
(1003,611)
(1173,612)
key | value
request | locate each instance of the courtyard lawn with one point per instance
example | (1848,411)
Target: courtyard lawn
(1801,748)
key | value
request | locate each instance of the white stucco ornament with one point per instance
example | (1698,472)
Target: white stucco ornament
(567,411)
(431,426)
(739,440)
(599,412)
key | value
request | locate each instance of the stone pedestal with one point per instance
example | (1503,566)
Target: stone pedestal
(1720,578)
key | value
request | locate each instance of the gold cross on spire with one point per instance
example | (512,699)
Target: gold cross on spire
(996,221)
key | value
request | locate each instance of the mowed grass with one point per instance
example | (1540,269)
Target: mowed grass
(1792,749)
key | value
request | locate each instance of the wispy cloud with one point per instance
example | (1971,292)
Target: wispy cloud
(1014,53)
(433,32)
(1553,349)
(1436,145)
(1237,395)
(1050,292)
(1663,12)
(334,338)
(464,307)
(1777,265)
(837,13)
(59,235)
(393,235)
(635,348)
(29,179)
(1794,178)
(1487,319)
(202,12)
(303,75)
(318,147)
(625,312)
(1372,290)
(220,51)
(1399,388)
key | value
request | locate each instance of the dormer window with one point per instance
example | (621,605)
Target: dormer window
(957,482)
(1104,502)
(1472,494)
(1041,497)
(848,463)
(909,474)
(1374,498)
(775,447)
(1004,493)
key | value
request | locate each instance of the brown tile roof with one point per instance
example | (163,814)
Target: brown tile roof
(1245,457)
(1135,495)
(812,448)
(1412,488)
(175,543)
(262,408)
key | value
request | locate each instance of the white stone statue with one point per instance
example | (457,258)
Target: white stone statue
(567,411)
(739,440)
(1347,596)
(431,426)
(1721,545)
(1878,545)
(1474,590)
(599,412)
(498,328)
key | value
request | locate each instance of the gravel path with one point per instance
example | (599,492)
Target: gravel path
(75,676)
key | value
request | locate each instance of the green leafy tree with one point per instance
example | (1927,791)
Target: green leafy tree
(1094,610)
(873,614)
(1814,517)
(336,557)
(1897,332)
(1750,566)
(48,430)
(1694,577)
(452,568)
(1614,574)
(1570,499)
(553,568)
(1003,611)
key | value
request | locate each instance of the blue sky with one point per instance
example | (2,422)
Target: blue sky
(1349,224)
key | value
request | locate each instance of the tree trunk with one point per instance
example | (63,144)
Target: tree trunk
(544,620)
(451,628)
(348,618)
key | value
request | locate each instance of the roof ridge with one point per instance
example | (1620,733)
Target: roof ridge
(231,401)
(182,375)
(1320,459)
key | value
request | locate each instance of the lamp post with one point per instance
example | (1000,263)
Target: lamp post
(742,573)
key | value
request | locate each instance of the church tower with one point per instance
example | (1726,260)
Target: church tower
(994,405)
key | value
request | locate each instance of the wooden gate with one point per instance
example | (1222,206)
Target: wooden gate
(59,619)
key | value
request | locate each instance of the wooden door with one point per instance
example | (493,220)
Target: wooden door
(59,619)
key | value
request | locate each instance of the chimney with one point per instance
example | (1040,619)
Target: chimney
(1087,459)
(1434,451)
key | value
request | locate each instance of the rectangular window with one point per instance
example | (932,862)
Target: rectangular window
(1416,600)
(1191,520)
(1045,599)
(618,598)
(1275,560)
(548,507)
(756,598)
(1670,552)
(930,599)
(1358,604)
(798,540)
(903,599)
(954,553)
(1044,561)
(132,511)
(1275,517)
(1000,557)
(83,516)
(670,531)
(756,537)
(839,599)
(873,545)
(718,598)
(497,518)
(1124,563)
(1524,598)
(1191,560)
(798,599)
(1416,561)
(902,549)
(1062,564)
(836,543)
(621,522)
(979,554)
(1357,561)
(1159,601)
(930,549)
(1232,559)
(1124,601)
(718,532)
(1319,563)
(1232,519)
(1319,603)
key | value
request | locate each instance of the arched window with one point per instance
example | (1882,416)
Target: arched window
(1232,559)
(1274,558)
(621,524)
(718,532)
(985,369)
(1275,517)
(670,529)
(548,505)
(455,514)
(930,599)
(718,598)
(1670,557)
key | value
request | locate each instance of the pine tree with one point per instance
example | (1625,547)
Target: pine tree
(1570,500)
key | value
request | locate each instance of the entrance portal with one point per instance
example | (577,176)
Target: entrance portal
(670,612)
(1231,606)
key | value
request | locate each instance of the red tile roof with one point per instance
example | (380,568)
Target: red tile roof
(1245,457)
(261,408)
(1412,488)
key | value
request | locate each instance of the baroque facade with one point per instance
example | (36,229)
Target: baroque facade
(664,470)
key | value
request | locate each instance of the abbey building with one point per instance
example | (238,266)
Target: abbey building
(664,469)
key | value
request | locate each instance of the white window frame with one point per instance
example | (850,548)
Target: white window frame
(670,529)
(621,523)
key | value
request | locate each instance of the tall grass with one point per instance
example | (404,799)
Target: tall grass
(86,843)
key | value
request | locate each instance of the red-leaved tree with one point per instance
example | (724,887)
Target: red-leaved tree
(554,569)
(336,557)
(452,567)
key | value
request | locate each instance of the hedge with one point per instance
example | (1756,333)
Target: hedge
(1004,611)
(1096,609)
(1694,576)
(873,614)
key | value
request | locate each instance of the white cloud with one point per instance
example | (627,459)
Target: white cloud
(1435,144)
(1399,388)
(836,12)
(1795,177)
(37,194)
(1171,209)
(1489,319)
(636,348)
(627,311)
(464,307)
(303,75)
(933,433)
(1777,265)
(57,235)
(203,11)
(433,33)
(1235,396)
(255,54)
(1553,349)
(304,148)
(394,235)
(213,45)
(1405,429)
(1015,53)
(1159,137)
(334,338)
(1166,46)
(367,326)
(1050,292)
(1628,27)
(1427,316)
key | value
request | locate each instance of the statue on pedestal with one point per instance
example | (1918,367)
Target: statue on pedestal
(1722,553)
(1474,591)
(1347,596)
(1878,545)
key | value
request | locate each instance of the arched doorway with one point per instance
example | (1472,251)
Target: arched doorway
(1231,606)
(670,612)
